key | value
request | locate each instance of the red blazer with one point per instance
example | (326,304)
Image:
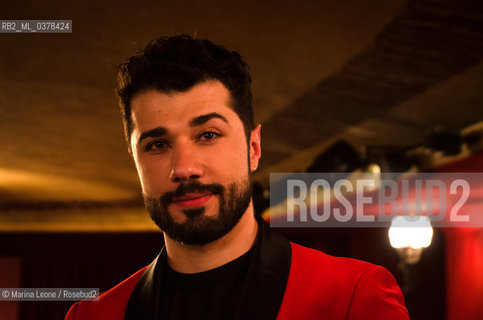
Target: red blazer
(319,286)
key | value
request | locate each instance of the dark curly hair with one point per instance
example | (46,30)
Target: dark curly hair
(177,64)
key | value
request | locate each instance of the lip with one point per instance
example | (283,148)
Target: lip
(192,200)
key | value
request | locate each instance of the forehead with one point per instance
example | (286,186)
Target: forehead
(170,108)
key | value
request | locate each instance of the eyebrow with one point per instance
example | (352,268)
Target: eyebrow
(153,133)
(197,121)
(205,118)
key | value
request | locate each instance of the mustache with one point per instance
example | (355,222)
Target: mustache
(191,187)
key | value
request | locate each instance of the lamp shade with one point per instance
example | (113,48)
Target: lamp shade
(410,232)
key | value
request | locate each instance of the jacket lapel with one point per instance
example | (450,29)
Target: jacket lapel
(267,276)
(144,300)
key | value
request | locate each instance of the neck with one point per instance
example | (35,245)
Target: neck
(193,259)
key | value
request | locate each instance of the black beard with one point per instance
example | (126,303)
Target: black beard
(199,229)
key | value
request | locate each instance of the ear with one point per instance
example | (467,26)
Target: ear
(255,148)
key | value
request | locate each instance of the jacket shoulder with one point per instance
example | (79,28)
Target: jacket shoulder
(340,288)
(110,305)
(315,268)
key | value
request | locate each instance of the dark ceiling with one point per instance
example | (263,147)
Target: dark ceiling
(375,73)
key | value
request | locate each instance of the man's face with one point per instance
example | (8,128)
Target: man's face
(191,154)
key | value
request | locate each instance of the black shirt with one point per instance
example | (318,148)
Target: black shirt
(212,294)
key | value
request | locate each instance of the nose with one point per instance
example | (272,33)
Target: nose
(185,164)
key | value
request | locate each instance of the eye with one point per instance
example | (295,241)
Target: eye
(208,136)
(156,146)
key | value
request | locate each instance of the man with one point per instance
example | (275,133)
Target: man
(188,119)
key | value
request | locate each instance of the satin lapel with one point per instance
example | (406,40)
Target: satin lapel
(267,276)
(144,300)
